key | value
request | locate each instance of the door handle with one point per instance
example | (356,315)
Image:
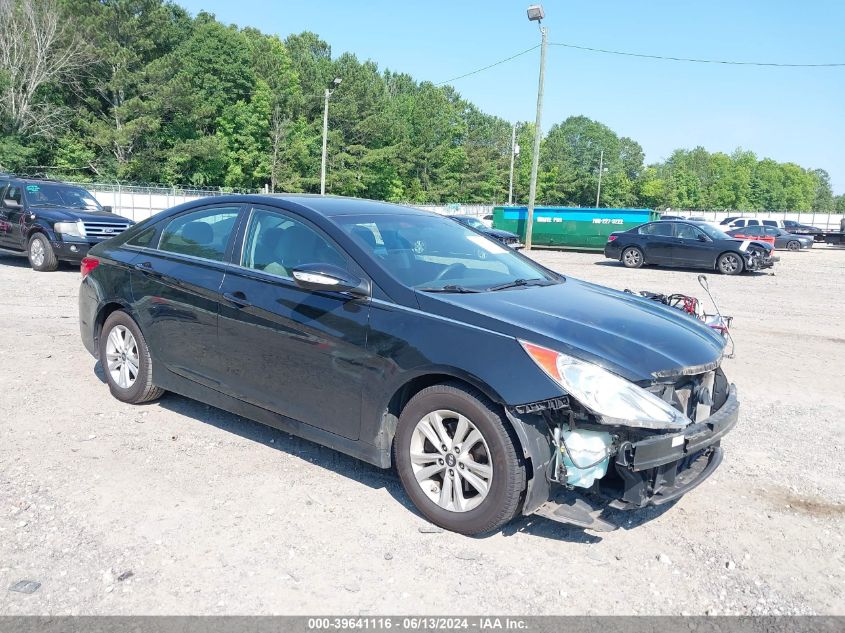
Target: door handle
(238,298)
(146,268)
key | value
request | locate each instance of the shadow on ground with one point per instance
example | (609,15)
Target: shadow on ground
(374,477)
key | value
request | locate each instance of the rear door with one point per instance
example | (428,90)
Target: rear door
(295,352)
(176,289)
(657,241)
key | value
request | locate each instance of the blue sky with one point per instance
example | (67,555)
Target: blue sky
(786,114)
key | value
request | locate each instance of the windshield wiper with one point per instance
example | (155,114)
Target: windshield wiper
(449,288)
(516,283)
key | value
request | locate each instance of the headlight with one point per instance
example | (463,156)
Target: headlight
(76,229)
(614,399)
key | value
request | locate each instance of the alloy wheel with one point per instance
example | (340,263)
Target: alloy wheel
(633,257)
(451,461)
(36,252)
(729,264)
(122,356)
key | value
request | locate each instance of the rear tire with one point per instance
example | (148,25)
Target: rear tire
(41,255)
(632,257)
(480,457)
(793,246)
(126,361)
(730,264)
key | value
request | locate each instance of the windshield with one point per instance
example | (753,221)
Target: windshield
(57,195)
(714,233)
(437,254)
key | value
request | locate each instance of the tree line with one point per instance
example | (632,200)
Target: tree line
(141,91)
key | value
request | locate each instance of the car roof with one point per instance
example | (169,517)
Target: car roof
(341,205)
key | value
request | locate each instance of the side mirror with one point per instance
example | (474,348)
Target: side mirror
(328,277)
(702,238)
(11,204)
(108,208)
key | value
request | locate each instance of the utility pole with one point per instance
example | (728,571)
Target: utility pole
(329,92)
(601,169)
(514,151)
(535,13)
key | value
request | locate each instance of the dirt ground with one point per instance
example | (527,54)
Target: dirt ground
(179,508)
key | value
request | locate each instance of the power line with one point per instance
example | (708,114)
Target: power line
(501,61)
(693,60)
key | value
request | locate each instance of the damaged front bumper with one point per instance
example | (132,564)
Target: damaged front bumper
(647,469)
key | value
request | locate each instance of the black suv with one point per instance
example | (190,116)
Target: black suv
(52,221)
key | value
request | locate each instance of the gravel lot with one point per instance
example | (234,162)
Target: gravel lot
(179,508)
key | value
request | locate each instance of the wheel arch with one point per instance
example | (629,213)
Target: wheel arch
(412,385)
(106,309)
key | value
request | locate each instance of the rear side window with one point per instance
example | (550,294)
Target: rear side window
(203,233)
(770,222)
(657,228)
(143,238)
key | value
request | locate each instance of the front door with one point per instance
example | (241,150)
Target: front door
(296,352)
(12,219)
(692,247)
(176,287)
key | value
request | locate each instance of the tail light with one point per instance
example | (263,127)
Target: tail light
(610,238)
(88,264)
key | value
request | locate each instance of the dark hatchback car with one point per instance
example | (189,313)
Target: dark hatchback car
(52,221)
(505,237)
(687,244)
(494,385)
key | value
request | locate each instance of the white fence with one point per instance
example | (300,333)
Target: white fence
(824,221)
(138,203)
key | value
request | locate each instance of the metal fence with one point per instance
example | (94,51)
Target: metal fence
(139,202)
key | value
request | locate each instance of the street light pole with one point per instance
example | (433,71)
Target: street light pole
(513,155)
(601,169)
(329,92)
(536,13)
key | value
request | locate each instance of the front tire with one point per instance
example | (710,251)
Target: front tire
(632,257)
(126,361)
(41,255)
(457,459)
(793,245)
(730,264)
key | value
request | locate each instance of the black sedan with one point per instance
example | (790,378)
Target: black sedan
(495,386)
(505,237)
(687,244)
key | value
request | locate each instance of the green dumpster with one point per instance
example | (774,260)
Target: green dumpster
(571,227)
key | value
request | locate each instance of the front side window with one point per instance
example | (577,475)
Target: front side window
(203,233)
(739,224)
(686,232)
(276,244)
(434,253)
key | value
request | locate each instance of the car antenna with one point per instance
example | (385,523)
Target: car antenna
(702,280)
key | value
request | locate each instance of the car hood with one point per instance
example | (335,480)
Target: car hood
(633,337)
(71,215)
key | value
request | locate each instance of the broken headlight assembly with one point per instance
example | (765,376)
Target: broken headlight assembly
(614,400)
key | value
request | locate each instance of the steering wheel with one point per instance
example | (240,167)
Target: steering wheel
(449,269)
